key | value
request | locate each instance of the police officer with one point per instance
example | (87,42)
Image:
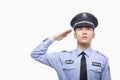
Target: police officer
(68,63)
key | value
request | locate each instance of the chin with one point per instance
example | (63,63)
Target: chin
(84,42)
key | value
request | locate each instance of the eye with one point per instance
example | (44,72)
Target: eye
(89,28)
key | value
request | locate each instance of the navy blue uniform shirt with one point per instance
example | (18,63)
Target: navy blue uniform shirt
(67,63)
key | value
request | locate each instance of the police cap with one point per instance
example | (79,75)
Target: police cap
(84,19)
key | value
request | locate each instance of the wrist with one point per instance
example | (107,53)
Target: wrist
(52,38)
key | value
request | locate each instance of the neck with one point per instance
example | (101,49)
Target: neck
(83,46)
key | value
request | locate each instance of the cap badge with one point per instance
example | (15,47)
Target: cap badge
(84,15)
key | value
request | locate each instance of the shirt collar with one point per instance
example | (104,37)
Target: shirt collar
(88,51)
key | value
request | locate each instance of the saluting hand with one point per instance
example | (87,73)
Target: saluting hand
(61,35)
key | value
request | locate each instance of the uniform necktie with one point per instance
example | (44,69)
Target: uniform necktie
(83,69)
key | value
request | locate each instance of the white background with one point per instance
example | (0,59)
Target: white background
(25,23)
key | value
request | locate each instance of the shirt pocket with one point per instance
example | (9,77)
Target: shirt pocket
(95,72)
(69,70)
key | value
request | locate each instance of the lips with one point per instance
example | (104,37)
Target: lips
(84,37)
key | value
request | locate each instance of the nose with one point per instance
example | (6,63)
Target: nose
(84,31)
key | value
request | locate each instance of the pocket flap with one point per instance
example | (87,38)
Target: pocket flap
(96,69)
(68,67)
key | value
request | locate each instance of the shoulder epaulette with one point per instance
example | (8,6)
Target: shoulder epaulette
(100,53)
(66,51)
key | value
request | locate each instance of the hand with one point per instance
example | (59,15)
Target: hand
(60,36)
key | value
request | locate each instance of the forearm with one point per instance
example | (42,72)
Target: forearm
(41,49)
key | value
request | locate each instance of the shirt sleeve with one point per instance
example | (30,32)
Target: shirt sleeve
(106,71)
(40,53)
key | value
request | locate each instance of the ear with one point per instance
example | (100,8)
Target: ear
(93,35)
(74,35)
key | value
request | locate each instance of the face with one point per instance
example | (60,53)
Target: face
(84,35)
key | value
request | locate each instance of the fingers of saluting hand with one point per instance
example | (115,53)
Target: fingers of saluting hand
(66,32)
(61,35)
